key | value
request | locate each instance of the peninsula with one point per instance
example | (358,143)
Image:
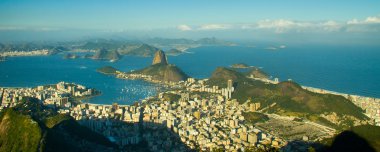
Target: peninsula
(107,70)
(159,72)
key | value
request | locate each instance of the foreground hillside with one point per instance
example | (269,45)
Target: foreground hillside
(358,138)
(289,98)
(32,127)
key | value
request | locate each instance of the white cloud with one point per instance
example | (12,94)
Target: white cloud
(184,27)
(374,19)
(368,20)
(275,23)
(369,24)
(283,26)
(331,26)
(353,21)
(214,27)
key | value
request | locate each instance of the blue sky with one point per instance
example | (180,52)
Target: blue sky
(193,18)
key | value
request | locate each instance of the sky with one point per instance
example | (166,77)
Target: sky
(346,21)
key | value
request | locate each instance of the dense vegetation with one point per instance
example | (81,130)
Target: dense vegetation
(254,117)
(358,138)
(18,132)
(30,126)
(286,98)
(257,73)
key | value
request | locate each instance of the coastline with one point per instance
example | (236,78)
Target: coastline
(43,52)
(369,105)
(323,91)
(346,95)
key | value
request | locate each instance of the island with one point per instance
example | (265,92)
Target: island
(159,72)
(104,54)
(107,70)
(173,52)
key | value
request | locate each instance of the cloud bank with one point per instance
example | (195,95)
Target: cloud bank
(370,24)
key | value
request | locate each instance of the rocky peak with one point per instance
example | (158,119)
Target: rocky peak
(159,58)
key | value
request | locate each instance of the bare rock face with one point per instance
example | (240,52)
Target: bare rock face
(159,58)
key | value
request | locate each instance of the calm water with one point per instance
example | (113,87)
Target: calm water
(348,70)
(353,70)
(33,71)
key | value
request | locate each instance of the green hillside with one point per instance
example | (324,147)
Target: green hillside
(18,132)
(370,133)
(360,138)
(287,98)
(257,73)
(254,117)
(32,127)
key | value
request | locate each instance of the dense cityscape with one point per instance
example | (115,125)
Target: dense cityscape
(202,117)
(189,76)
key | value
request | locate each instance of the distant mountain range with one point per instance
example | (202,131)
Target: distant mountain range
(144,47)
(104,54)
(174,52)
(143,50)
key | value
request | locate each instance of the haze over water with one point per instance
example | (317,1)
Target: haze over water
(352,70)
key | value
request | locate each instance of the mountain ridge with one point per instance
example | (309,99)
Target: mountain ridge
(290,99)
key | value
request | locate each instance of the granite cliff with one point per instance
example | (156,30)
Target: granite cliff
(159,58)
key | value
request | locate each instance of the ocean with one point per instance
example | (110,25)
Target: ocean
(352,70)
